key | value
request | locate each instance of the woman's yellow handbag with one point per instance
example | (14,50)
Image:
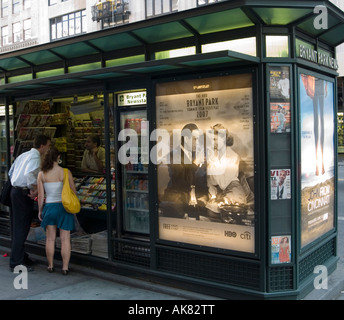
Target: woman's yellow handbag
(70,200)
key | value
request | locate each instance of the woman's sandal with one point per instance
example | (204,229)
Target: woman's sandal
(64,272)
(50,269)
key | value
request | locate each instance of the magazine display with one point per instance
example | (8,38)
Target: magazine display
(280,184)
(33,119)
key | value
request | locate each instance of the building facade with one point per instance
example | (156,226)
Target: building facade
(25,23)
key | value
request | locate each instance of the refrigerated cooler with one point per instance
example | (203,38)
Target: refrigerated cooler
(135,188)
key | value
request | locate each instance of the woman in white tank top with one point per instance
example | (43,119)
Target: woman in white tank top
(52,213)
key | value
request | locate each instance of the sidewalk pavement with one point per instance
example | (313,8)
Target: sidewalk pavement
(335,285)
(83,283)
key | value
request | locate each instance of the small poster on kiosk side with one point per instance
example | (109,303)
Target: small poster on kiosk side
(279,96)
(280,184)
(280,249)
(279,84)
(280,117)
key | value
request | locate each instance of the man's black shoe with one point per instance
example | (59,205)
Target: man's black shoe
(29,262)
(23,267)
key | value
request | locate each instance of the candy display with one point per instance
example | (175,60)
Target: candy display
(92,192)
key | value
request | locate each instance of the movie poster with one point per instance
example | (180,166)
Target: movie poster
(206,196)
(317,157)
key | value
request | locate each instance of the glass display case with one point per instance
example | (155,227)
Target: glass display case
(92,195)
(135,176)
(4,211)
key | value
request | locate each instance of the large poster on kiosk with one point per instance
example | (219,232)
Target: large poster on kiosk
(205,162)
(317,157)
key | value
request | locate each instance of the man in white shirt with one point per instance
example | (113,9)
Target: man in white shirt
(23,175)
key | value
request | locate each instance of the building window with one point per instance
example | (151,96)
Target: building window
(27,4)
(205,2)
(16,32)
(4,36)
(158,7)
(16,6)
(4,8)
(52,2)
(27,29)
(68,25)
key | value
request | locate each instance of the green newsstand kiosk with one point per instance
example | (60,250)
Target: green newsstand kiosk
(260,223)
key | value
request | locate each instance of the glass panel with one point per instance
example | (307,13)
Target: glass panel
(149,8)
(59,28)
(281,16)
(123,61)
(65,26)
(84,22)
(174,5)
(112,155)
(4,36)
(134,170)
(27,29)
(175,53)
(317,137)
(277,46)
(84,67)
(53,30)
(166,6)
(205,162)
(16,31)
(4,211)
(246,46)
(163,32)
(157,5)
(220,21)
(20,78)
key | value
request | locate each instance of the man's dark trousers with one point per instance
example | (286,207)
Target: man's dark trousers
(21,217)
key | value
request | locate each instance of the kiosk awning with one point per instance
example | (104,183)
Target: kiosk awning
(194,61)
(127,49)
